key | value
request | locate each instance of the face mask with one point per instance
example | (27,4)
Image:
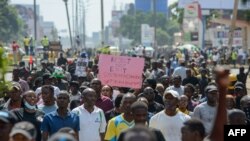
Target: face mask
(27,105)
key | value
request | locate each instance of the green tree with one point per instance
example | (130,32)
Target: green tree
(131,27)
(176,13)
(244,15)
(3,71)
(131,10)
(11,25)
(162,37)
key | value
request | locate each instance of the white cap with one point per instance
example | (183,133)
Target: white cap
(173,93)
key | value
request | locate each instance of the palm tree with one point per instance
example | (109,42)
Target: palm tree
(234,18)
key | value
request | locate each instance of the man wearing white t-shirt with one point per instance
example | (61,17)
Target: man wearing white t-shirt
(206,111)
(92,119)
(169,121)
(177,85)
(181,70)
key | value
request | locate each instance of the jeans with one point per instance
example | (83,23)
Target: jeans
(31,50)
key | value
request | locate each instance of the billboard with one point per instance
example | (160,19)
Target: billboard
(192,27)
(192,10)
(147,6)
(214,4)
(147,35)
(221,38)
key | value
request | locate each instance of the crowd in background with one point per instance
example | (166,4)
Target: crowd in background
(178,101)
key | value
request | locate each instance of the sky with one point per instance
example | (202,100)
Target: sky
(54,10)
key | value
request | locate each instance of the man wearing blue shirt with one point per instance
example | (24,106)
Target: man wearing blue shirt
(60,118)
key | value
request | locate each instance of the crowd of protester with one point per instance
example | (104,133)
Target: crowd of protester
(175,103)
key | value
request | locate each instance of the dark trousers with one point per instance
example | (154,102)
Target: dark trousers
(31,50)
(45,52)
(26,50)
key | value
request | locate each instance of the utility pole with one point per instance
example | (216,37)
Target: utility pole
(67,12)
(76,22)
(231,32)
(73,20)
(154,17)
(84,28)
(102,24)
(35,22)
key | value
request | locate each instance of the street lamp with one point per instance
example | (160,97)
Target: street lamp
(102,23)
(154,16)
(67,12)
(35,20)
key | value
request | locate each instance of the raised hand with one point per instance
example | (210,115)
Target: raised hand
(222,79)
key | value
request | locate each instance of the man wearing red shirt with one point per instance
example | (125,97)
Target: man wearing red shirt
(103,102)
(15,48)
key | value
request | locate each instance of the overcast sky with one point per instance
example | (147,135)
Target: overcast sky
(54,10)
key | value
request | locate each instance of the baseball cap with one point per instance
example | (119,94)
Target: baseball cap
(46,75)
(25,128)
(239,87)
(173,93)
(44,61)
(15,85)
(74,83)
(238,83)
(8,117)
(211,88)
(151,81)
(62,137)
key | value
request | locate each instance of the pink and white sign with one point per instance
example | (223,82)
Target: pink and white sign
(121,71)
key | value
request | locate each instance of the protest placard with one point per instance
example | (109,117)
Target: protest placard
(121,71)
(81,65)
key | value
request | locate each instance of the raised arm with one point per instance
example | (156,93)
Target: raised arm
(217,133)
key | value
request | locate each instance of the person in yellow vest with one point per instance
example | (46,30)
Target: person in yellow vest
(45,44)
(26,42)
(234,57)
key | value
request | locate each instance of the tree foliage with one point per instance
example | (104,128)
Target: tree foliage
(176,13)
(130,26)
(10,24)
(244,15)
(3,70)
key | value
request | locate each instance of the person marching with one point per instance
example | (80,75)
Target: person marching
(26,42)
(15,50)
(45,44)
(32,45)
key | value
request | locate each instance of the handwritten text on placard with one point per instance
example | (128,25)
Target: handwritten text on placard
(121,71)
